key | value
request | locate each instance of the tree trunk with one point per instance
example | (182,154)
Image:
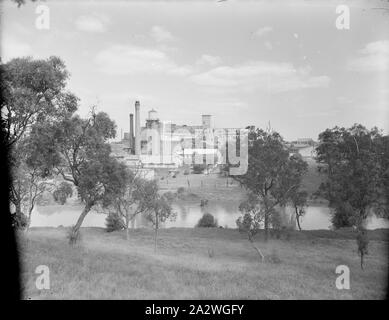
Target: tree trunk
(256,249)
(156,234)
(76,229)
(266,226)
(127,225)
(29,218)
(298,222)
(298,219)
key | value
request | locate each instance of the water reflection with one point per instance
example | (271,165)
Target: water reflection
(188,214)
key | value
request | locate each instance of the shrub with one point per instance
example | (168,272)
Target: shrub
(342,216)
(199,168)
(207,221)
(180,190)
(19,221)
(63,192)
(114,222)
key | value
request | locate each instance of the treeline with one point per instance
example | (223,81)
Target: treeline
(353,161)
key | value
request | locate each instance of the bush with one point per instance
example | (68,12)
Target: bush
(63,192)
(343,216)
(114,222)
(19,221)
(199,168)
(180,190)
(207,221)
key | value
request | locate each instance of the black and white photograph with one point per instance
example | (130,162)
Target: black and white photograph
(196,150)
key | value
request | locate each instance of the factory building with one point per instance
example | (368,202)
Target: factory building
(161,144)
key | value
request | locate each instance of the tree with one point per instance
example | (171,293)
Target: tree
(299,202)
(199,168)
(136,198)
(114,222)
(32,90)
(273,175)
(355,164)
(160,211)
(252,217)
(77,150)
(27,185)
(63,192)
(207,221)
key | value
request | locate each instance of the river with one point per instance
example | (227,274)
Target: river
(188,214)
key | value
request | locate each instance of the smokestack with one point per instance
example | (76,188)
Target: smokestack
(131,134)
(137,128)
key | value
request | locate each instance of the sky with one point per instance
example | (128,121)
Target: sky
(243,62)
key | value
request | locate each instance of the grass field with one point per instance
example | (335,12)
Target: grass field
(201,264)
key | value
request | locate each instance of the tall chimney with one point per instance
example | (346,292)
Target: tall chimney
(137,128)
(131,134)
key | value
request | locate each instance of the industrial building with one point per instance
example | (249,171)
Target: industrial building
(162,144)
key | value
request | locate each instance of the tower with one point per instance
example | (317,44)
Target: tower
(137,128)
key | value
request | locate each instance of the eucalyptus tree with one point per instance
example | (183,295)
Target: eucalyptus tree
(33,91)
(77,150)
(160,211)
(273,175)
(355,164)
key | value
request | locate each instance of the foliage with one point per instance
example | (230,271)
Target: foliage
(160,211)
(207,221)
(135,198)
(355,164)
(273,176)
(114,222)
(33,91)
(63,192)
(19,220)
(343,216)
(252,215)
(77,150)
(199,168)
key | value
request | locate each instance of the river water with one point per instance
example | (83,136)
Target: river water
(188,214)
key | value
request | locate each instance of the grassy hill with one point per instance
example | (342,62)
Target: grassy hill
(201,263)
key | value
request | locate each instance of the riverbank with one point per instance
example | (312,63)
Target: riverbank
(215,187)
(198,263)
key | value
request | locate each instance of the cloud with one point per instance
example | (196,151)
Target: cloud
(373,57)
(206,59)
(95,23)
(261,75)
(262,31)
(13,48)
(160,34)
(129,59)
